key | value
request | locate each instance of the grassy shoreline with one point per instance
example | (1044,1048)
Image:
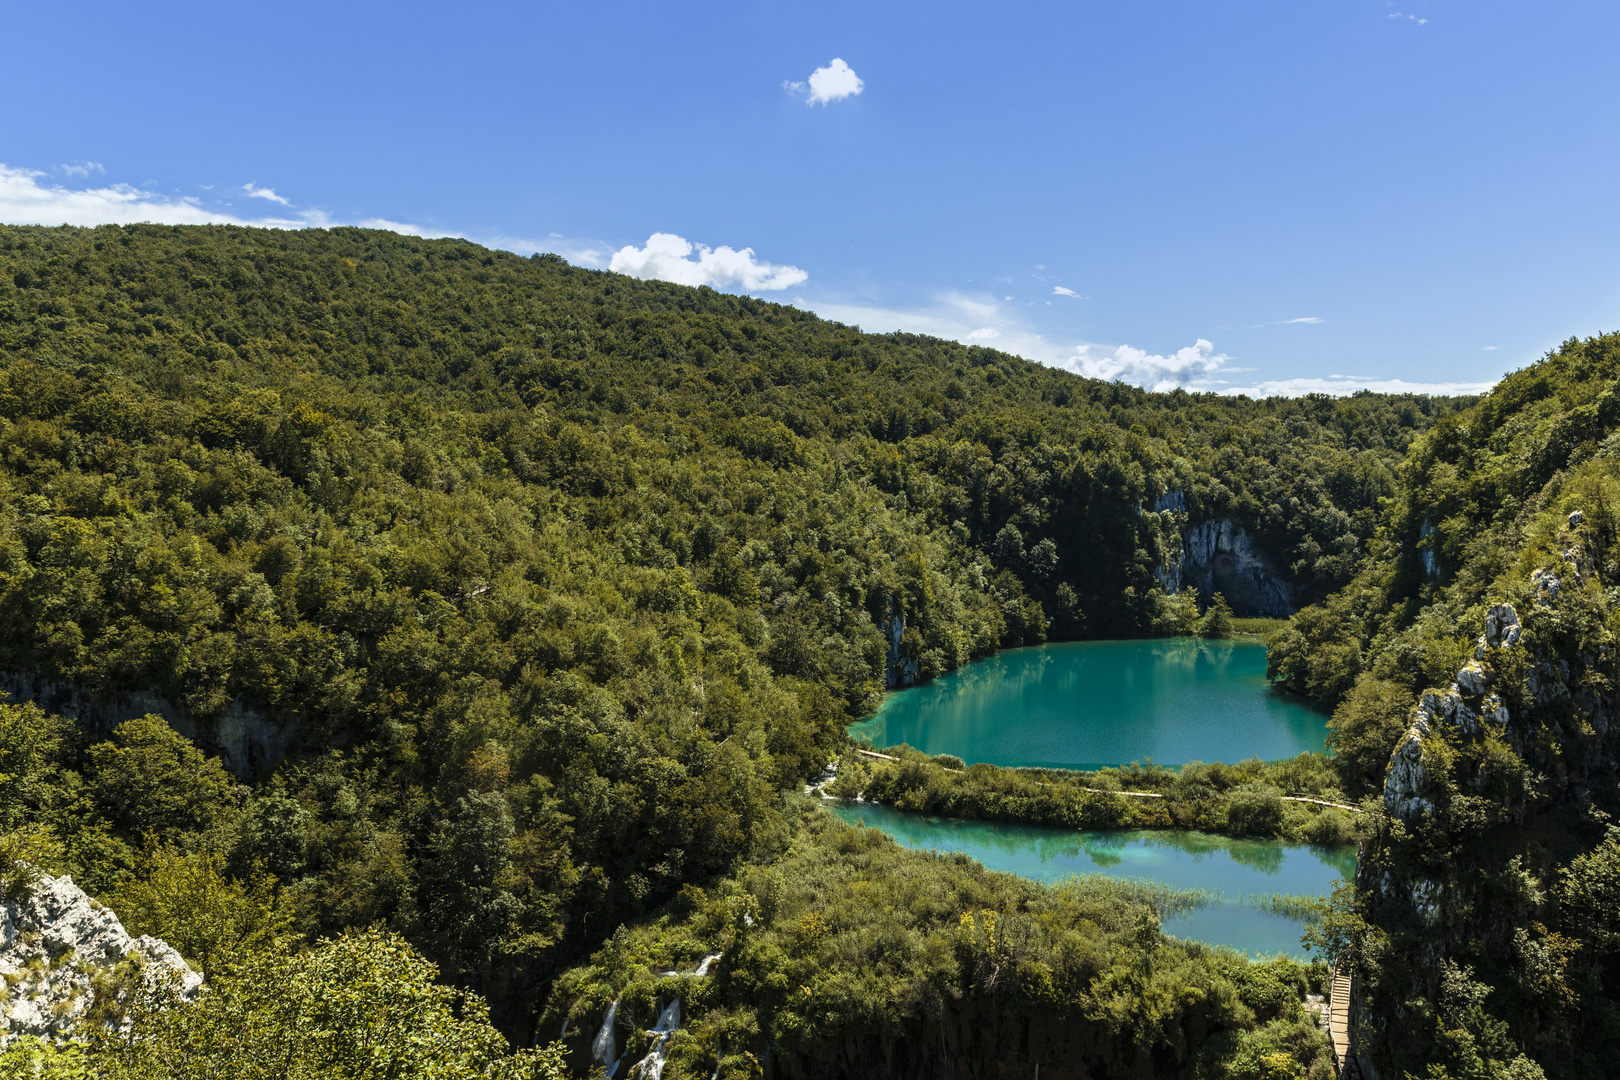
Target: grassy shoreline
(1249,799)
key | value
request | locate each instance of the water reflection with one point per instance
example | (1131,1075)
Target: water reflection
(1186,860)
(1103,702)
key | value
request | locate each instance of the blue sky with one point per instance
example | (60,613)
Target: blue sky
(1264,196)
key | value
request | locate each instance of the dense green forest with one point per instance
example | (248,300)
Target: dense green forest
(1485,923)
(505,599)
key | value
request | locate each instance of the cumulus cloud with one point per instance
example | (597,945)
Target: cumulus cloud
(835,82)
(667,257)
(1191,367)
(1061,290)
(268,194)
(82,169)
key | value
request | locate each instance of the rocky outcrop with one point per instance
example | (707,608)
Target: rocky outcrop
(245,741)
(1466,704)
(1543,657)
(1427,552)
(1219,556)
(56,944)
(898,670)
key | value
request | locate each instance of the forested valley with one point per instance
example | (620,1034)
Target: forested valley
(397,613)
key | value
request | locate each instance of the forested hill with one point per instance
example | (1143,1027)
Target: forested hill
(550,579)
(1476,662)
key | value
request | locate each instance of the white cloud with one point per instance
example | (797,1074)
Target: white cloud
(835,82)
(978,320)
(1491,348)
(1420,20)
(1311,319)
(82,169)
(1193,367)
(1340,386)
(1060,290)
(666,258)
(24,200)
(268,194)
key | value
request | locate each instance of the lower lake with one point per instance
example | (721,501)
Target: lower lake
(1185,860)
(1080,704)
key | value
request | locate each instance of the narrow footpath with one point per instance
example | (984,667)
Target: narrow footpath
(1339,1027)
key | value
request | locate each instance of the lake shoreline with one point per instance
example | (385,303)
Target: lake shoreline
(1253,895)
(1085,703)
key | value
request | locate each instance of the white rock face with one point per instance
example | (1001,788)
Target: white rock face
(1406,778)
(52,942)
(1464,705)
(1219,557)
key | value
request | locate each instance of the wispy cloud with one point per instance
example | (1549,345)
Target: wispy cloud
(667,257)
(1420,20)
(1341,386)
(1492,348)
(1308,320)
(835,82)
(268,194)
(1061,290)
(982,320)
(27,200)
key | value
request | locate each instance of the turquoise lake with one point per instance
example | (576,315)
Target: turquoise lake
(1235,868)
(1080,704)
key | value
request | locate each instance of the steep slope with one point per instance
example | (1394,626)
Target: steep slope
(1481,641)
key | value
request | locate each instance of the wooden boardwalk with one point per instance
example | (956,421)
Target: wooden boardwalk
(1339,1027)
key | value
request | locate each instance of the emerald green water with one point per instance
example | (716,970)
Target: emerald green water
(1187,860)
(1088,703)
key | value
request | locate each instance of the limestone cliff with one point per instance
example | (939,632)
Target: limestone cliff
(1490,776)
(246,741)
(1219,556)
(58,946)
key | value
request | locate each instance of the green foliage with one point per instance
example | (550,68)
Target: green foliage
(32,1058)
(1217,619)
(1316,654)
(552,580)
(363,1005)
(1365,728)
(1245,799)
(1485,945)
(858,957)
(150,779)
(1589,894)
(189,901)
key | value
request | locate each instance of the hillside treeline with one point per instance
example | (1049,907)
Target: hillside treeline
(549,580)
(1478,645)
